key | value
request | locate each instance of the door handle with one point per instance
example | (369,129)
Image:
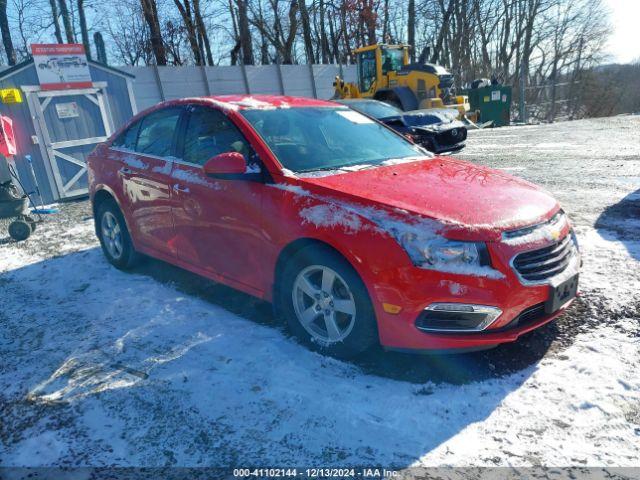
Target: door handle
(126,171)
(180,189)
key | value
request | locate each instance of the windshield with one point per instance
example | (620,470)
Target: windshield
(375,109)
(308,139)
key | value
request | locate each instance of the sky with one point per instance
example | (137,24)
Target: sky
(624,45)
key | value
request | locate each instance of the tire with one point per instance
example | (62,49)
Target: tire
(19,230)
(332,330)
(114,236)
(32,222)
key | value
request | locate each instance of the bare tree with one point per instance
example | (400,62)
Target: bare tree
(56,22)
(83,28)
(6,34)
(306,31)
(66,21)
(189,23)
(202,31)
(411,28)
(150,12)
(131,40)
(244,33)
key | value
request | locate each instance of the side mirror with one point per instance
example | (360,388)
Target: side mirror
(225,165)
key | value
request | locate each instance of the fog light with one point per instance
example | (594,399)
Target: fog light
(457,317)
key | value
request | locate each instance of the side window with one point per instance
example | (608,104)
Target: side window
(127,139)
(209,133)
(157,131)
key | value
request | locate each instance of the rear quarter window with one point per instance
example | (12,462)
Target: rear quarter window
(128,138)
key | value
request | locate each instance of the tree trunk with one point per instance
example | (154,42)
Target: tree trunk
(411,28)
(287,56)
(6,34)
(56,20)
(236,47)
(66,21)
(306,31)
(101,52)
(150,12)
(245,33)
(192,37)
(83,29)
(437,49)
(203,31)
(324,42)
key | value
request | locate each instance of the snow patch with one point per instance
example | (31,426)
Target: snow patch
(547,231)
(164,169)
(455,288)
(135,162)
(253,168)
(291,188)
(194,178)
(251,102)
(225,106)
(326,215)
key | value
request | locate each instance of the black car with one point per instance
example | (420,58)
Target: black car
(438,130)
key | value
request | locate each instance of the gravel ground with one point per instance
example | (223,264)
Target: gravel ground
(100,368)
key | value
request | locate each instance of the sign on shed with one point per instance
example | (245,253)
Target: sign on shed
(61,66)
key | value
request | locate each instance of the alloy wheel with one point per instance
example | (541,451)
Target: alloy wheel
(112,235)
(324,304)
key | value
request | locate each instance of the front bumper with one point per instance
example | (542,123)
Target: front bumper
(522,305)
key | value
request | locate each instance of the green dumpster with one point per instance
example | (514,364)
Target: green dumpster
(493,104)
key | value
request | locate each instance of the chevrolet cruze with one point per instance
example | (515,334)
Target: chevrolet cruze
(355,234)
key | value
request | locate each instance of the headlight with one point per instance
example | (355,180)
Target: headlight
(436,252)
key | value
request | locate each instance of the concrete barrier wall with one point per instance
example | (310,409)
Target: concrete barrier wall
(155,84)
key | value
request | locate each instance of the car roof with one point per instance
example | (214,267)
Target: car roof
(242,102)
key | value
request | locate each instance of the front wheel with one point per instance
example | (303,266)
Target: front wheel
(326,304)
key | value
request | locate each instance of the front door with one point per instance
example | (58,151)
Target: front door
(70,123)
(217,222)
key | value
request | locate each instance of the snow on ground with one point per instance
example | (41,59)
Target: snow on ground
(159,367)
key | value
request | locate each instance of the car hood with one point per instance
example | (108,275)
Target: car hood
(465,196)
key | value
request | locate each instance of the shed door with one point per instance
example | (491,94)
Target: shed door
(71,123)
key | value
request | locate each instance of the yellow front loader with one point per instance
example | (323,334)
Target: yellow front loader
(385,74)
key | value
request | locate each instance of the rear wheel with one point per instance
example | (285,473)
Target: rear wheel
(326,304)
(114,236)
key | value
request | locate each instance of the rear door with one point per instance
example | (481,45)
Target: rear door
(217,222)
(144,154)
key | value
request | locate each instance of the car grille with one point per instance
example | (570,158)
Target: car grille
(544,263)
(452,136)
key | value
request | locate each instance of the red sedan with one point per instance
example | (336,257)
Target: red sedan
(355,234)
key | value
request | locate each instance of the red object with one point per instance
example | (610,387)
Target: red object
(234,231)
(61,66)
(228,163)
(8,138)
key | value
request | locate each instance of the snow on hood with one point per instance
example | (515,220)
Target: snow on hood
(325,211)
(450,191)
